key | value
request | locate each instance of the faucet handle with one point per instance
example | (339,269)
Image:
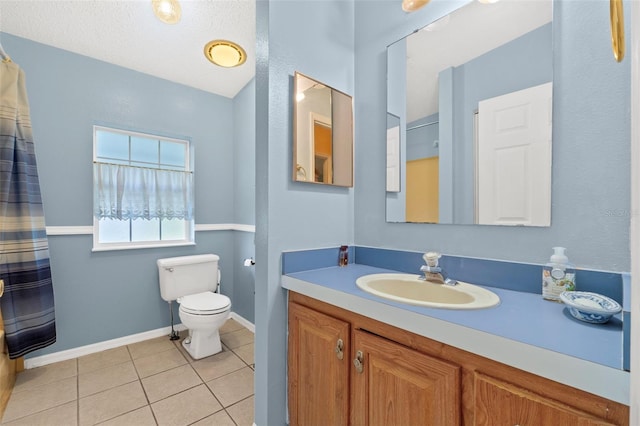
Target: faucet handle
(431,258)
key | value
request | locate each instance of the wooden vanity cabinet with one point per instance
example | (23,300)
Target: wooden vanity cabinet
(401,378)
(390,383)
(318,363)
(502,403)
(394,385)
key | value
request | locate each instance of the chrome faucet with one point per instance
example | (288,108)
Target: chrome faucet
(432,272)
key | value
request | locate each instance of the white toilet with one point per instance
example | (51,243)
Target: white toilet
(194,282)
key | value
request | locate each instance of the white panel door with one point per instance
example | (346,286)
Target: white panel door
(514,158)
(393,159)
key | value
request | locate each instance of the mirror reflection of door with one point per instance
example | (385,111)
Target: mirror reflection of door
(434,75)
(514,158)
(322,150)
(322,133)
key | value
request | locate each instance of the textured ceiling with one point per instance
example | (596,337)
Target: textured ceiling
(127,33)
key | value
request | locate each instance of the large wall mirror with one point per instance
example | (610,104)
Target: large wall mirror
(469,102)
(322,133)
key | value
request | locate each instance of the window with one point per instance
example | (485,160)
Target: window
(143,190)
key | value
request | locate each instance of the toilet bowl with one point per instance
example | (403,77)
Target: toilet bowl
(203,314)
(194,282)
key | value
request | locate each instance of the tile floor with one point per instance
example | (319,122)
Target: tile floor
(154,382)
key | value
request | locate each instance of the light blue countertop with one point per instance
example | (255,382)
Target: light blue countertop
(520,317)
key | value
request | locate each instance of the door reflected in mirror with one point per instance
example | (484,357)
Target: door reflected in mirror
(473,92)
(322,133)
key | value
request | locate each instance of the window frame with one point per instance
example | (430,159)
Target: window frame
(189,239)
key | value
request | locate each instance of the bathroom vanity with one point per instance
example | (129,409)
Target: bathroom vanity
(345,368)
(356,358)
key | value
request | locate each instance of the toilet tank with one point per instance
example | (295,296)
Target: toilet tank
(184,275)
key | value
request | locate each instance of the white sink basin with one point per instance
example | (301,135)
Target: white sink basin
(408,288)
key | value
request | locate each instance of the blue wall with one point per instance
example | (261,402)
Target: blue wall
(244,146)
(396,204)
(420,139)
(591,133)
(315,38)
(106,295)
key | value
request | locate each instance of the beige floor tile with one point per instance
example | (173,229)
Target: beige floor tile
(212,367)
(41,398)
(103,359)
(237,338)
(157,363)
(140,417)
(111,403)
(106,378)
(66,414)
(150,347)
(28,379)
(171,382)
(229,326)
(221,418)
(186,407)
(110,392)
(246,352)
(242,412)
(183,351)
(233,387)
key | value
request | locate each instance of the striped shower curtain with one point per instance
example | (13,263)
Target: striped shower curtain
(27,303)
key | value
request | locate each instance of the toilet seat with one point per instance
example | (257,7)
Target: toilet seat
(206,303)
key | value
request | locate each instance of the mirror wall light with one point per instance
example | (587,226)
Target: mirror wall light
(473,91)
(617,29)
(322,133)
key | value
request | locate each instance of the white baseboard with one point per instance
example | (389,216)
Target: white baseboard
(245,322)
(39,361)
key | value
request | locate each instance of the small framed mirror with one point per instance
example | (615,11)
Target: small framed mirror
(322,133)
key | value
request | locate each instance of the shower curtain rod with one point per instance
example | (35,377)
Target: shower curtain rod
(4,55)
(422,125)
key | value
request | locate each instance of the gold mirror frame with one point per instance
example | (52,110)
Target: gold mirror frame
(617,29)
(322,133)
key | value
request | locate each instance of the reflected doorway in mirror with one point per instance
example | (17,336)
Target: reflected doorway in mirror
(322,133)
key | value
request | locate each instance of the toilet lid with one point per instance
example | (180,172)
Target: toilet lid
(206,303)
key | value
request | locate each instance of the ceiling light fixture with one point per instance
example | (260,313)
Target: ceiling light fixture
(225,53)
(413,5)
(168,11)
(488,1)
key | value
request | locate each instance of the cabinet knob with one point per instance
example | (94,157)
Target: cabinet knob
(340,349)
(358,362)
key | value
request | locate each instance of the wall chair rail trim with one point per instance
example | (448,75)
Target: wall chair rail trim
(88,230)
(225,227)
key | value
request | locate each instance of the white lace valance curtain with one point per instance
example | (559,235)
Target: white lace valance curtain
(129,192)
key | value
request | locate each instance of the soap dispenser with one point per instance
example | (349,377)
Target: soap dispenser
(343,256)
(558,275)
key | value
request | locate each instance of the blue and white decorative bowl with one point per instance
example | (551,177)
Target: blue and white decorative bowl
(590,307)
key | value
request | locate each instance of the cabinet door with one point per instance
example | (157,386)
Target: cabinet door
(399,386)
(318,368)
(500,403)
